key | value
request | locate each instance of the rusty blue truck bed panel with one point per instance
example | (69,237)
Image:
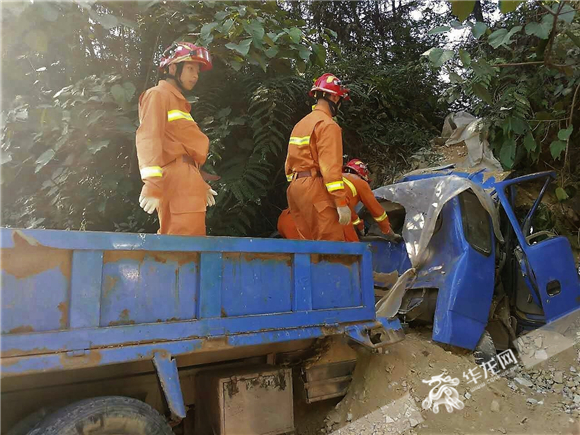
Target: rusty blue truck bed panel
(81,299)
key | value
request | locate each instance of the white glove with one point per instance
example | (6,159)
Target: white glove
(210,200)
(344,217)
(148,203)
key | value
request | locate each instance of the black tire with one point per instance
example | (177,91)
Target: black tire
(485,350)
(25,426)
(105,416)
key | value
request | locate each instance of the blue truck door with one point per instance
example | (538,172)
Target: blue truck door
(546,260)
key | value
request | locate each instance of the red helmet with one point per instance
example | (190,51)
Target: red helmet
(185,52)
(331,84)
(359,168)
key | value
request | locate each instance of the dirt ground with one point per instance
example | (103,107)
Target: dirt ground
(387,392)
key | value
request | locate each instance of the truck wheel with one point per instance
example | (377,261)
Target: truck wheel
(24,426)
(485,349)
(113,415)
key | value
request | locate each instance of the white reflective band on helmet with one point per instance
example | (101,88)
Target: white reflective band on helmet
(358,221)
(335,185)
(381,217)
(299,141)
(173,115)
(151,171)
(350,185)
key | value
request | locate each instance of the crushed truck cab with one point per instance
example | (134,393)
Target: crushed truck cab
(478,256)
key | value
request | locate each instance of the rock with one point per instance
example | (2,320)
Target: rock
(576,398)
(573,369)
(532,401)
(502,430)
(538,342)
(495,406)
(523,382)
(524,420)
(413,422)
(558,388)
(349,417)
(467,395)
(541,355)
(389,420)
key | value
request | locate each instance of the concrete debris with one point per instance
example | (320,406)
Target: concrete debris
(532,401)
(495,406)
(523,382)
(502,430)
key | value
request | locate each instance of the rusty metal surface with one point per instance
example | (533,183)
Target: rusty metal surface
(73,300)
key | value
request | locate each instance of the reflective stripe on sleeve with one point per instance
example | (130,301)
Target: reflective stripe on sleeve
(335,185)
(350,185)
(381,217)
(151,171)
(299,141)
(174,115)
(358,221)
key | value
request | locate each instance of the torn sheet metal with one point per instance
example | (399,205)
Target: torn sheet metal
(423,201)
(464,127)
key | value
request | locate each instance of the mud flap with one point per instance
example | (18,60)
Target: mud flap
(169,378)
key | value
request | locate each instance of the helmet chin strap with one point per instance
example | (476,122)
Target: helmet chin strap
(334,107)
(177,77)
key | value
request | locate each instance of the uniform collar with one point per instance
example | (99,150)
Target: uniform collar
(323,109)
(169,87)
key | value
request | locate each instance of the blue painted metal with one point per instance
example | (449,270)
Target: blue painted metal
(167,371)
(145,293)
(547,261)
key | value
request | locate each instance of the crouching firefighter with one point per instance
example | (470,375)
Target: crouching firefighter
(316,194)
(171,147)
(356,177)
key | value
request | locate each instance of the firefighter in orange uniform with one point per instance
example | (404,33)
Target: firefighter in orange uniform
(356,178)
(316,194)
(171,147)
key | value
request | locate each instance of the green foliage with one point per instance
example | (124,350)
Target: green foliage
(522,83)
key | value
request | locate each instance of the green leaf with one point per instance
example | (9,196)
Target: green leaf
(456,24)
(130,90)
(243,47)
(255,30)
(320,53)
(519,126)
(226,26)
(478,29)
(507,153)
(272,52)
(220,15)
(295,34)
(206,29)
(561,194)
(542,29)
(438,56)
(95,147)
(465,58)
(455,78)
(507,6)
(119,94)
(556,148)
(462,8)
(482,92)
(567,14)
(439,29)
(44,158)
(530,143)
(332,33)
(502,37)
(565,134)
(304,53)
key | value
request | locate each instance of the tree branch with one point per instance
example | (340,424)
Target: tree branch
(569,124)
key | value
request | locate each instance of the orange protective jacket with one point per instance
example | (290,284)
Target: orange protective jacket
(356,190)
(166,137)
(316,145)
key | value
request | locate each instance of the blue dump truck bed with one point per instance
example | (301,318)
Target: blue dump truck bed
(81,299)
